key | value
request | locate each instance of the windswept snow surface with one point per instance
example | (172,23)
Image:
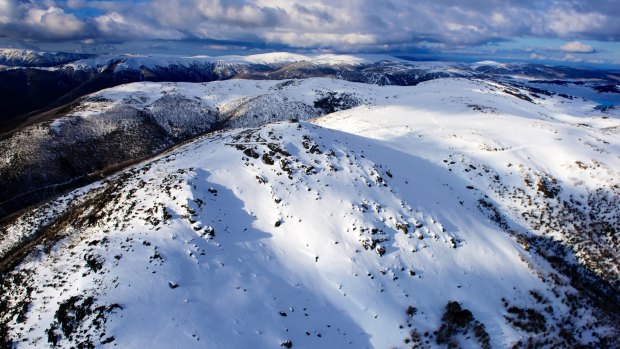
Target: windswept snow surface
(357,229)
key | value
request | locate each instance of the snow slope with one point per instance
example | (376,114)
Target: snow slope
(411,220)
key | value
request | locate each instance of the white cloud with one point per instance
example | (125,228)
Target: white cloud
(224,47)
(577,47)
(571,58)
(7,9)
(30,20)
(574,59)
(567,22)
(566,58)
(499,18)
(54,21)
(319,39)
(244,14)
(115,25)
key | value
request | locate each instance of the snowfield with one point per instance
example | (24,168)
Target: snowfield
(455,212)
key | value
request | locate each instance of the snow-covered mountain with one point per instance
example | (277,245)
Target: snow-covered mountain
(66,147)
(30,58)
(134,62)
(28,91)
(457,212)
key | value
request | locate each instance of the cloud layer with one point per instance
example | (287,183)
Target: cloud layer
(352,25)
(577,47)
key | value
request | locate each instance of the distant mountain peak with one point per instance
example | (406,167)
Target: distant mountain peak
(31,58)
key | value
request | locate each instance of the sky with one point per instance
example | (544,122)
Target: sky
(583,32)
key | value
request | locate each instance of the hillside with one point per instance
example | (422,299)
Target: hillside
(135,121)
(456,212)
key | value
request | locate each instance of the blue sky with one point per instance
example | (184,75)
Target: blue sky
(576,32)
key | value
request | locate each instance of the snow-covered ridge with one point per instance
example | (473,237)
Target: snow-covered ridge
(275,60)
(280,57)
(30,58)
(150,61)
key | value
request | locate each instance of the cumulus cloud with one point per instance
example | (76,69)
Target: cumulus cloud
(318,24)
(567,58)
(27,20)
(216,47)
(7,9)
(571,58)
(116,25)
(577,47)
(320,39)
(52,21)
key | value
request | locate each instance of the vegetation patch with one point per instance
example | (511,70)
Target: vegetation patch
(78,320)
(458,321)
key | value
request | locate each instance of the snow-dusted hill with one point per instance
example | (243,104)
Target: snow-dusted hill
(456,212)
